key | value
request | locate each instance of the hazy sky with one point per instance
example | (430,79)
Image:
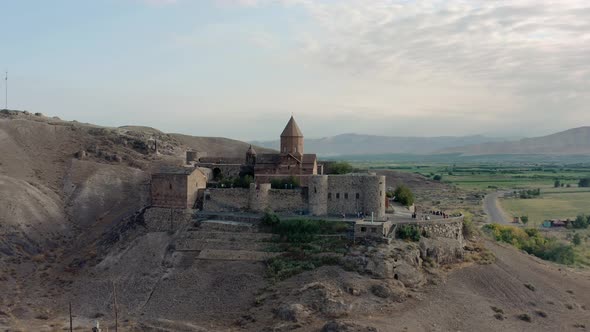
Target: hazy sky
(240,68)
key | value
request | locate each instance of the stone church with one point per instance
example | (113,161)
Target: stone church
(318,194)
(290,161)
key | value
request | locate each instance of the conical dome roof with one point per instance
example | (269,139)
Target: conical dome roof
(292,129)
(251,151)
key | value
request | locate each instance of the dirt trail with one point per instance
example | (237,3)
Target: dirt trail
(493,209)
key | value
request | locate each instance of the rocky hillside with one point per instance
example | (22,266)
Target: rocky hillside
(68,181)
(574,141)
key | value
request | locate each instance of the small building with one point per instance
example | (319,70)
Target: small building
(177,187)
(371,229)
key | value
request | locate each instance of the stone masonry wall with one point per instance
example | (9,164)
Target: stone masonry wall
(353,193)
(287,200)
(446,228)
(166,219)
(225,199)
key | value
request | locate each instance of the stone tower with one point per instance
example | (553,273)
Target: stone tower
(251,156)
(292,139)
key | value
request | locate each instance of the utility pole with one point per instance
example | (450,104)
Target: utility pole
(115,307)
(71,327)
(6,90)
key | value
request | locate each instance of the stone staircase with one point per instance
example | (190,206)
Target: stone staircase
(224,240)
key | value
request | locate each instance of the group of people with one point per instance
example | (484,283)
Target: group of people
(432,212)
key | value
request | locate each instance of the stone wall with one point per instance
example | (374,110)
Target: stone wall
(446,228)
(166,219)
(354,193)
(287,200)
(225,199)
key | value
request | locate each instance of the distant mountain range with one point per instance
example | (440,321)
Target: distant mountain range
(570,142)
(356,144)
(574,141)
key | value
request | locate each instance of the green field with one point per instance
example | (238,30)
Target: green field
(553,204)
(490,176)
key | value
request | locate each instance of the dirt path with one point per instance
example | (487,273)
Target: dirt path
(491,206)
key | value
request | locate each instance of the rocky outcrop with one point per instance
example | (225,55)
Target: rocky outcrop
(441,250)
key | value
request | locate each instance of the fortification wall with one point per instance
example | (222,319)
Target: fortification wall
(287,200)
(354,193)
(446,228)
(225,199)
(318,195)
(258,197)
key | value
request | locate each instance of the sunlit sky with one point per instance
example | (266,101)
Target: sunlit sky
(240,68)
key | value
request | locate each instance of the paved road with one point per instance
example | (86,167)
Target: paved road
(493,209)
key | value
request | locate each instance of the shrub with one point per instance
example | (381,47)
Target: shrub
(437,177)
(577,239)
(469,228)
(585,182)
(270,219)
(404,195)
(288,183)
(557,184)
(297,230)
(408,232)
(531,241)
(524,219)
(581,222)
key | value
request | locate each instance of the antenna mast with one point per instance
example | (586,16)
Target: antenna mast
(6,90)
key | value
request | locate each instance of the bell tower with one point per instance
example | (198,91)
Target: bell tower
(292,139)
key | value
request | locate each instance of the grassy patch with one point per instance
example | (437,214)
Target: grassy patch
(290,264)
(551,205)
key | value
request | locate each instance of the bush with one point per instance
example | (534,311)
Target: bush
(297,230)
(408,232)
(290,182)
(531,241)
(585,182)
(524,219)
(270,219)
(557,184)
(577,239)
(404,195)
(581,222)
(469,228)
(437,177)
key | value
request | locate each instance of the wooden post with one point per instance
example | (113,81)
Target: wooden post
(71,327)
(115,307)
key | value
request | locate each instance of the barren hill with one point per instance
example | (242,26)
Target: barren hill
(574,141)
(216,146)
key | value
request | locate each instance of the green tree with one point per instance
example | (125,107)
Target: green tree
(404,195)
(524,219)
(581,222)
(437,177)
(339,167)
(557,184)
(585,182)
(577,239)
